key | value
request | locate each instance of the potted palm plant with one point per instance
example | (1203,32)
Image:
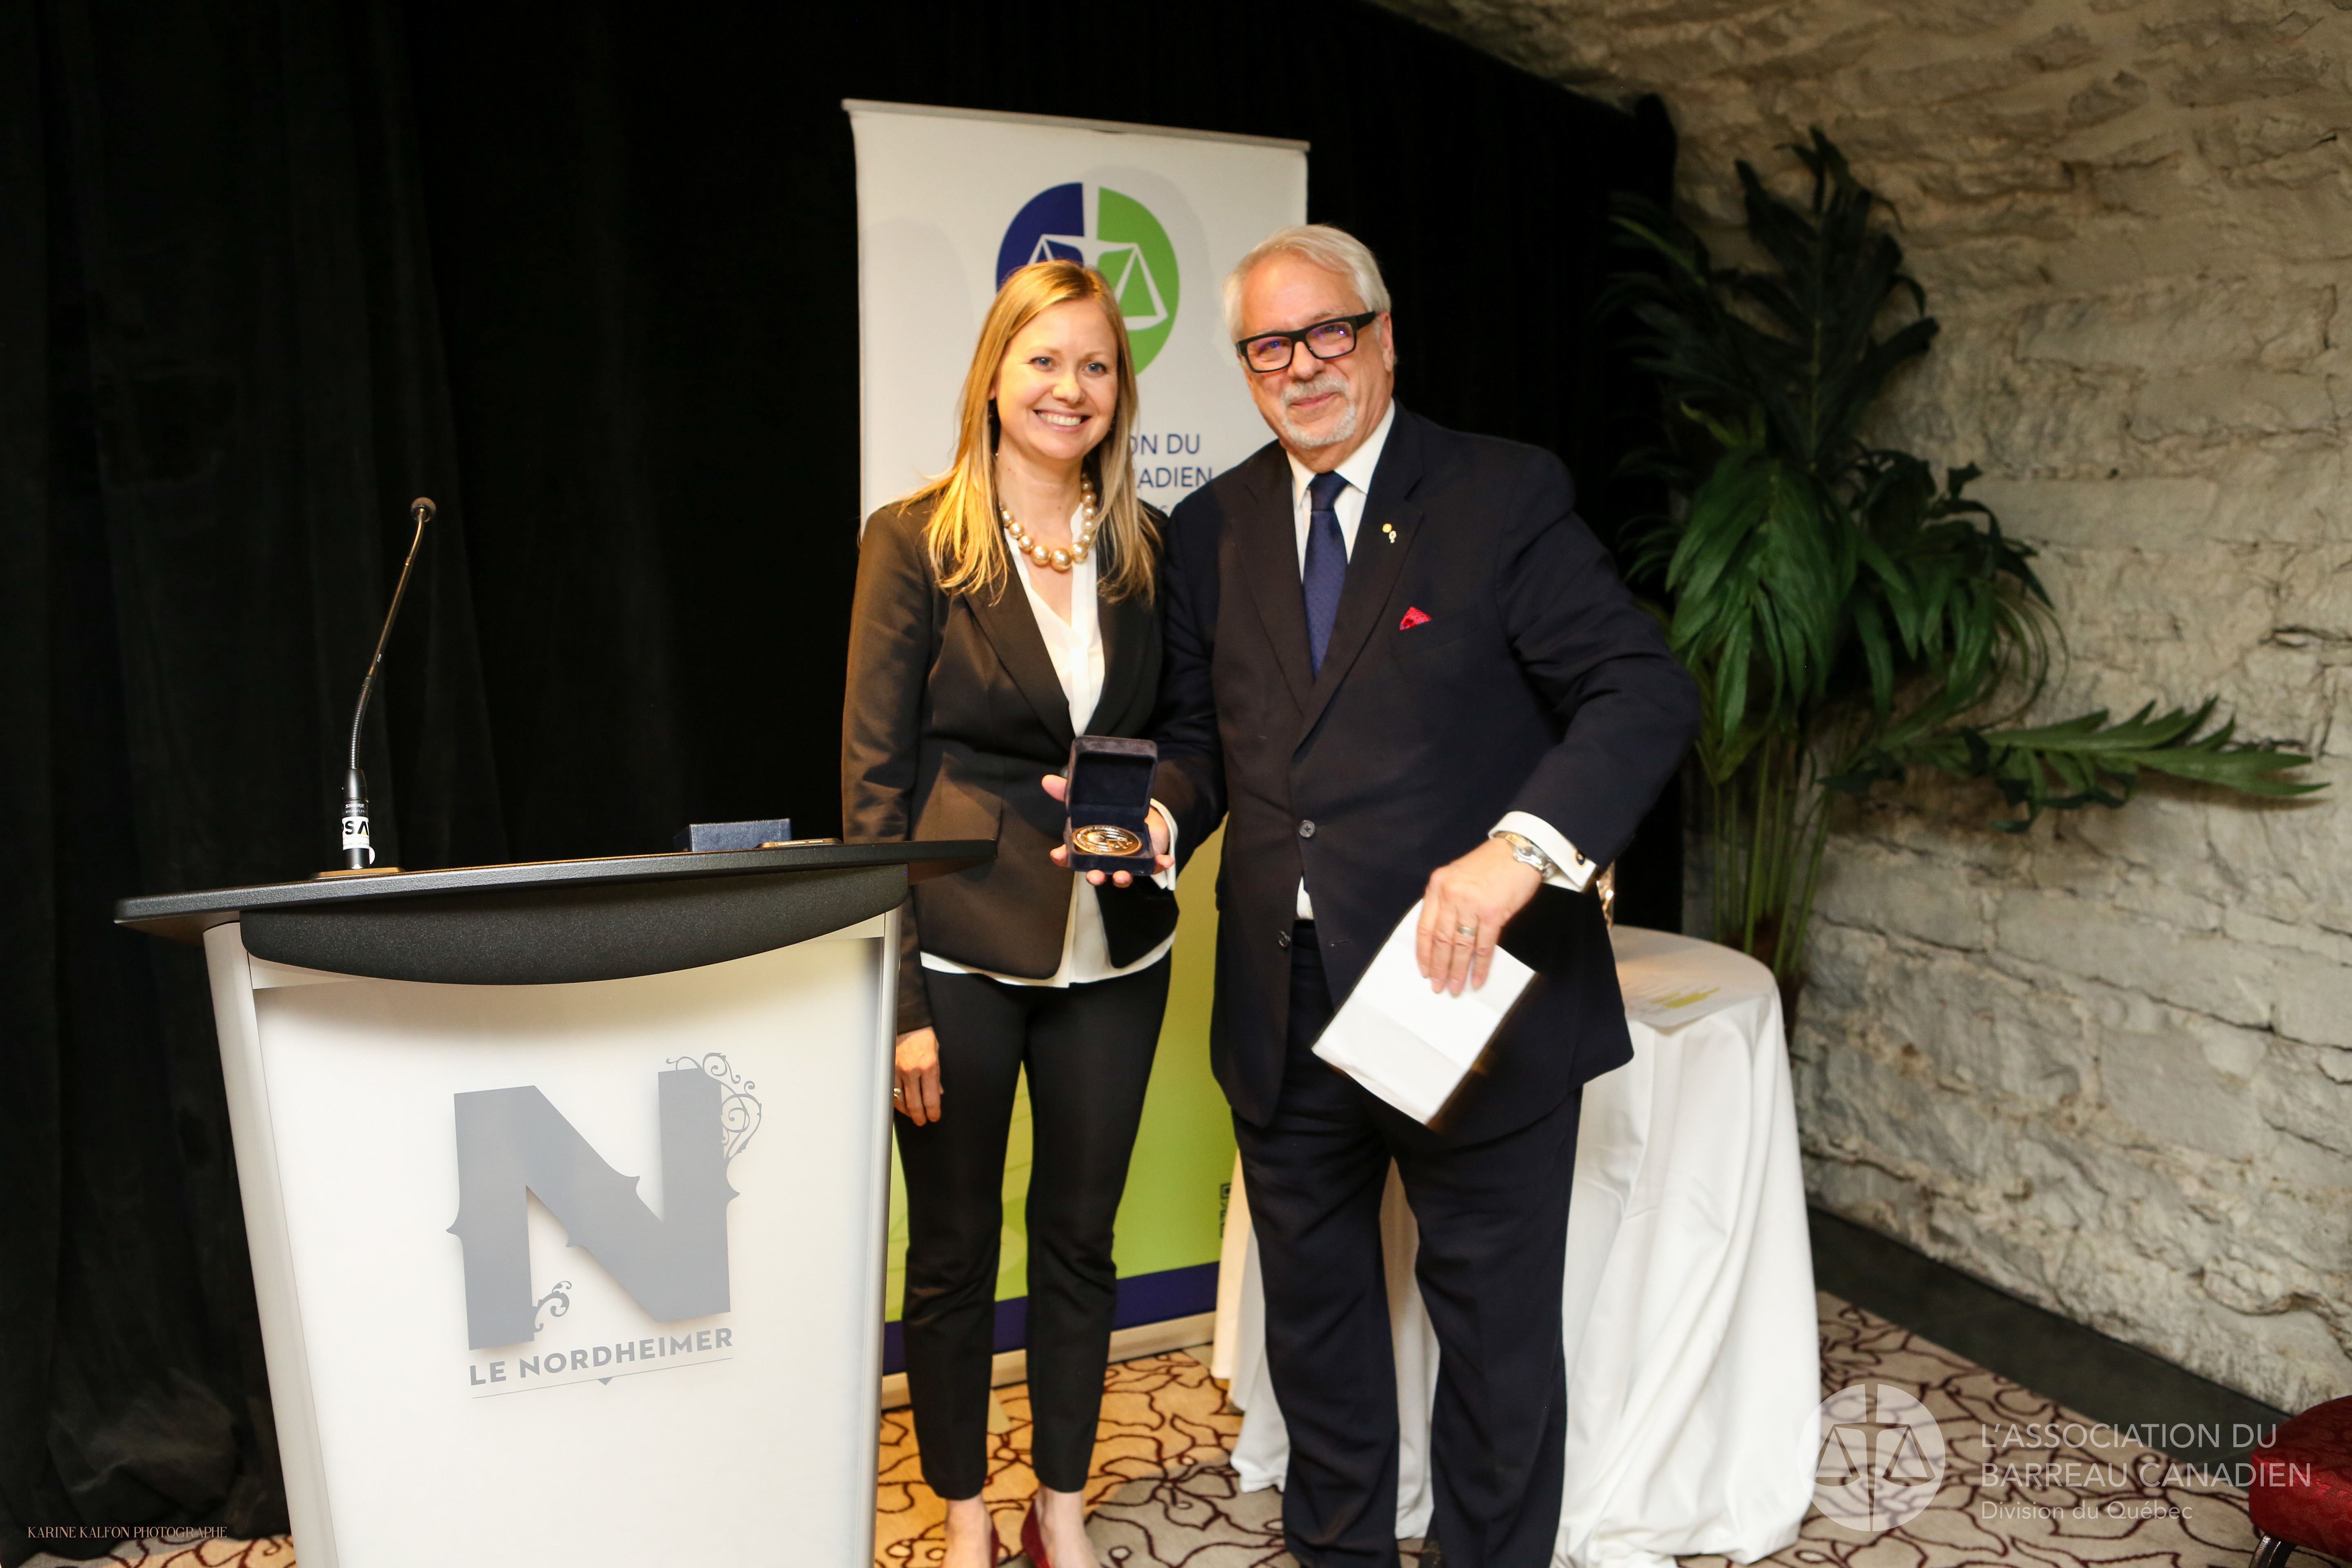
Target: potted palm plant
(1848,616)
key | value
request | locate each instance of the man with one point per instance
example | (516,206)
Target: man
(1398,666)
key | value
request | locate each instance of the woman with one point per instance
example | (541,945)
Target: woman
(1000,609)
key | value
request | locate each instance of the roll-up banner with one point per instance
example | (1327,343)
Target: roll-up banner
(948,201)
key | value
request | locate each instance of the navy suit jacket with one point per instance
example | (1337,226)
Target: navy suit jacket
(1536,684)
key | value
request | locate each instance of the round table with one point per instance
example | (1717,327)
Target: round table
(1688,1307)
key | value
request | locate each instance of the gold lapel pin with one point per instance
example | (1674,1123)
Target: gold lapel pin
(1390,528)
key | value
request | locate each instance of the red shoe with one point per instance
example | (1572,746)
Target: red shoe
(1033,1538)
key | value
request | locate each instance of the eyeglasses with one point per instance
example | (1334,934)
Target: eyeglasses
(1323,339)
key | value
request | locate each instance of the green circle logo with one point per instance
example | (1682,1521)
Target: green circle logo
(1118,237)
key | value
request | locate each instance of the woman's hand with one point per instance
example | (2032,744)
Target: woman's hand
(919,1076)
(1059,788)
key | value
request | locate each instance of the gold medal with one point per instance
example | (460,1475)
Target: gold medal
(1105,840)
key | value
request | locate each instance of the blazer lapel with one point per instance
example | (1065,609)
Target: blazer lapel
(1265,536)
(1124,625)
(1383,538)
(1012,630)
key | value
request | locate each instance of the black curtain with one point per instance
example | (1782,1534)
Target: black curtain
(222,378)
(643,226)
(585,275)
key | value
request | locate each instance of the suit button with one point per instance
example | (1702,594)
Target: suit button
(1283,939)
(1305,830)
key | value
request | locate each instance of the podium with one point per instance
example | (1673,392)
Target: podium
(566,1187)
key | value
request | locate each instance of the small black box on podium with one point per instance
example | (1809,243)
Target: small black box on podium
(707,835)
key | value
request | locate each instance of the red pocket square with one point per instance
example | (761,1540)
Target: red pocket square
(1412,617)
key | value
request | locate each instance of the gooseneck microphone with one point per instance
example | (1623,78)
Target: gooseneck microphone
(358,853)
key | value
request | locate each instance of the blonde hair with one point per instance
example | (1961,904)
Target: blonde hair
(1332,249)
(965,535)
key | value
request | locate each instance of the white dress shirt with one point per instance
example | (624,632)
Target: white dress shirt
(1575,871)
(1075,647)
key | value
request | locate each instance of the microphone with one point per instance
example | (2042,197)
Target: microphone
(358,853)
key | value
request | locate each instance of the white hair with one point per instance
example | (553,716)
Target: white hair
(1333,249)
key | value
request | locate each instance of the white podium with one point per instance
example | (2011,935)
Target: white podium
(566,1190)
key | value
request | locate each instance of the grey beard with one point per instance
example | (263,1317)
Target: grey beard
(1343,429)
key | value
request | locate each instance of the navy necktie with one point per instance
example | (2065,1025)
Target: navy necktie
(1327,563)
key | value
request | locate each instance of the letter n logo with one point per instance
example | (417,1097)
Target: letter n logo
(511,1142)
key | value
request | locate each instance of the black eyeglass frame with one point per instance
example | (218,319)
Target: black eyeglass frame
(1355,325)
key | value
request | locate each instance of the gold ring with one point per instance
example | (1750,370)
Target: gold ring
(1102,839)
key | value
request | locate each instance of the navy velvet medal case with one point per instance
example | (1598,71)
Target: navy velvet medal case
(1110,786)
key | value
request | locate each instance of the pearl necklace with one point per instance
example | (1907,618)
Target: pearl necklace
(1059,560)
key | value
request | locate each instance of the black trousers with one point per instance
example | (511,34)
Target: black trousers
(1088,1053)
(1494,1238)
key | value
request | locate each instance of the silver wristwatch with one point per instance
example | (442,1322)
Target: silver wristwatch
(1527,852)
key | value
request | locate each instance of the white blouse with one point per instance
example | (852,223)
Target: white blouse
(1075,647)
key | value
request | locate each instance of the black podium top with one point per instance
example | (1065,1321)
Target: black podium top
(555,921)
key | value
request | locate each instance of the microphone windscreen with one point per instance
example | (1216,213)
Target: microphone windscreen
(424,505)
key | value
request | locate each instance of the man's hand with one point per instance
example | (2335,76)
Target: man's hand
(1059,788)
(918,1078)
(1463,911)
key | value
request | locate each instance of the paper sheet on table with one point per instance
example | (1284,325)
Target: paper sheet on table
(1667,990)
(1408,1044)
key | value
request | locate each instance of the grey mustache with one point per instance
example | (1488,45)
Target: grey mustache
(1316,388)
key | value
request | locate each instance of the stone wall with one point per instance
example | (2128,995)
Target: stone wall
(2106,1066)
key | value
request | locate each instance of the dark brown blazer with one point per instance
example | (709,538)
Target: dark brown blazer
(952,718)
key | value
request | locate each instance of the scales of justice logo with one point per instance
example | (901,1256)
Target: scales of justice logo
(1118,237)
(1881,1460)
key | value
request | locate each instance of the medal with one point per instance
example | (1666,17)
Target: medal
(1105,840)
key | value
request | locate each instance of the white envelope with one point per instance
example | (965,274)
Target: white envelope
(1408,1044)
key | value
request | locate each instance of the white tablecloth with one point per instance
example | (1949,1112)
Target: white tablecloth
(1689,1320)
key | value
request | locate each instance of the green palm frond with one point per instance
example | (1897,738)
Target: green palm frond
(1799,346)
(1759,584)
(2087,761)
(1849,616)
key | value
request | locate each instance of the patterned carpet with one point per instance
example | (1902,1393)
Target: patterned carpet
(1163,1497)
(1161,1493)
(2096,1504)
